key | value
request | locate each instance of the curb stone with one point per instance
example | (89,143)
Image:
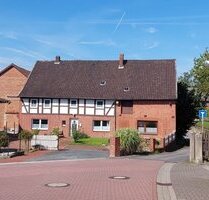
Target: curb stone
(165,190)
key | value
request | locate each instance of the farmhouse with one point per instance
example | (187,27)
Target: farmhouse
(12,81)
(100,97)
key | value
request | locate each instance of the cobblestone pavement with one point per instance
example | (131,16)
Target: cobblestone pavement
(88,180)
(190,181)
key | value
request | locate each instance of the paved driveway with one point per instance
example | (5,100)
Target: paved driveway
(72,154)
(180,155)
(88,179)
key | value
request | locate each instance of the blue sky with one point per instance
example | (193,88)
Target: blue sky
(78,29)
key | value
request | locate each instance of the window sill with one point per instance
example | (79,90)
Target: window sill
(41,129)
(101,130)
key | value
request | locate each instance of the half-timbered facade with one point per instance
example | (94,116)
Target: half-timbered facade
(100,97)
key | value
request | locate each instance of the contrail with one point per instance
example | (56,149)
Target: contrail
(116,28)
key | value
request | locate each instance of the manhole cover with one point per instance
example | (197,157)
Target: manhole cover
(119,177)
(57,184)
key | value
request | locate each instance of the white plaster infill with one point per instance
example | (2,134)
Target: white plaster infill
(165,190)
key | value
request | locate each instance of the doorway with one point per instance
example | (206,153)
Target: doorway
(73,126)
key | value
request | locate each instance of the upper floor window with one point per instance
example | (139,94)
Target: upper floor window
(73,103)
(147,127)
(127,107)
(34,103)
(99,104)
(47,103)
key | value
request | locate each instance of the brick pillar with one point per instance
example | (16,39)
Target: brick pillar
(152,145)
(114,146)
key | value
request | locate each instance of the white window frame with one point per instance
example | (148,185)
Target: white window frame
(50,102)
(101,128)
(73,106)
(39,125)
(99,105)
(31,105)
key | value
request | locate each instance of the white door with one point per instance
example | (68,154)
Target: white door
(73,126)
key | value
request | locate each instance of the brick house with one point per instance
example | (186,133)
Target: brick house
(99,97)
(12,81)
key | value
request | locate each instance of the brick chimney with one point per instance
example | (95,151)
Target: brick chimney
(121,60)
(57,60)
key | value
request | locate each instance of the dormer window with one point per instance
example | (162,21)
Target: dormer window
(126,89)
(102,83)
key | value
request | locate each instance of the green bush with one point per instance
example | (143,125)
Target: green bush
(55,131)
(4,139)
(26,135)
(35,132)
(129,140)
(78,135)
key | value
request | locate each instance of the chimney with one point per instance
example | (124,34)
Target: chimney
(121,59)
(57,60)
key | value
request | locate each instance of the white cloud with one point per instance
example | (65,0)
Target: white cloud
(9,35)
(28,53)
(100,42)
(151,30)
(151,45)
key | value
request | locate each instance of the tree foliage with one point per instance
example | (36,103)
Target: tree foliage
(186,109)
(197,78)
(4,139)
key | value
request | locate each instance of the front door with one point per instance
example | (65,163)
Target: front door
(73,126)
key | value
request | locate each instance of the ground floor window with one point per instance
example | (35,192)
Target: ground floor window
(147,127)
(41,124)
(99,125)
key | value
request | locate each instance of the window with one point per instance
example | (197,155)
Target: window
(73,103)
(34,103)
(127,107)
(147,127)
(47,103)
(63,123)
(99,104)
(101,125)
(41,124)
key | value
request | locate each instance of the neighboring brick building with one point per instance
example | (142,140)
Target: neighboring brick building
(99,97)
(12,81)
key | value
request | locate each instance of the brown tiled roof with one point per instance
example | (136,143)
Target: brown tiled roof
(20,69)
(145,79)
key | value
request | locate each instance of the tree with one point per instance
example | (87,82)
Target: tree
(200,73)
(197,78)
(186,109)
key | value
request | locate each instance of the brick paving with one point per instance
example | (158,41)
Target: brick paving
(190,181)
(88,180)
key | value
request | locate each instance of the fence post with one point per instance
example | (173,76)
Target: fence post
(198,148)
(192,147)
(114,146)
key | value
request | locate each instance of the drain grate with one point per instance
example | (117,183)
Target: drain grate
(54,185)
(119,177)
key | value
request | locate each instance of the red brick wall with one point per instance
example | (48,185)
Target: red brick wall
(12,82)
(85,123)
(162,112)
(2,113)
